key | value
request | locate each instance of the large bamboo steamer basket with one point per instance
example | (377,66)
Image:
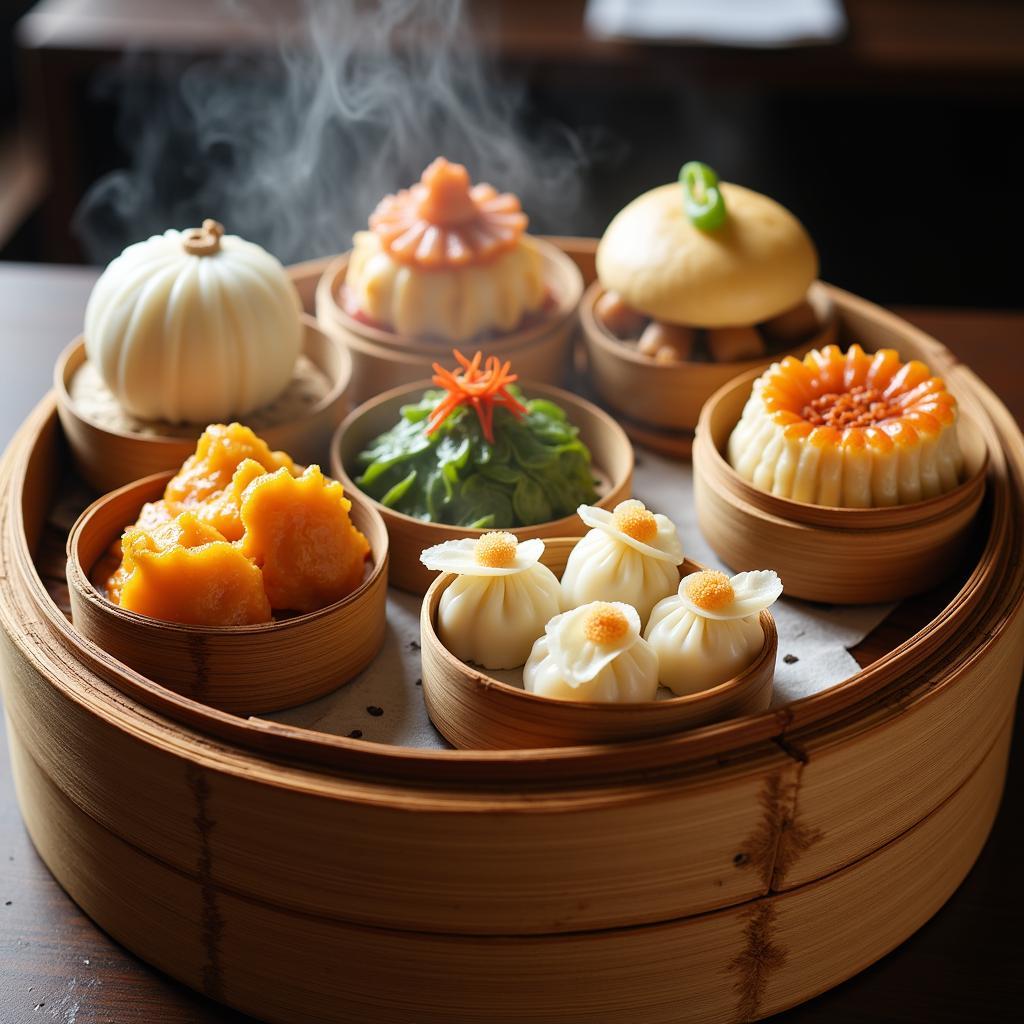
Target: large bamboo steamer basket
(243,669)
(475,711)
(835,555)
(611,452)
(382,359)
(107,458)
(658,874)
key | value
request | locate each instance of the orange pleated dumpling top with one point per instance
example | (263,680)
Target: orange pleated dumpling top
(445,259)
(238,517)
(849,429)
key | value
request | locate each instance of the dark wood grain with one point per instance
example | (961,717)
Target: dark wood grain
(55,965)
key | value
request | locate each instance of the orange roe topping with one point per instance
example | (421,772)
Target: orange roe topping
(861,406)
(851,391)
(634,520)
(604,624)
(710,590)
(495,550)
(443,222)
(480,389)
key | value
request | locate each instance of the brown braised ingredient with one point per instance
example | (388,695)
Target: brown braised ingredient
(727,344)
(623,321)
(667,343)
(793,326)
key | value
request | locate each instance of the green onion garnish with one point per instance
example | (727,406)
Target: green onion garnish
(702,200)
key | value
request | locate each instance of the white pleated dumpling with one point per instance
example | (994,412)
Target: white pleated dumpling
(629,555)
(500,602)
(593,653)
(709,631)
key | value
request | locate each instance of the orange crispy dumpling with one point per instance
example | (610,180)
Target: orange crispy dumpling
(298,530)
(185,571)
(223,509)
(219,452)
(849,429)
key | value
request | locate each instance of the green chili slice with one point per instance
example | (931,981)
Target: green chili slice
(702,199)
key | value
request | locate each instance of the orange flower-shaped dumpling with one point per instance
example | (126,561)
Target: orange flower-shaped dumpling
(445,259)
(298,530)
(185,571)
(444,222)
(851,429)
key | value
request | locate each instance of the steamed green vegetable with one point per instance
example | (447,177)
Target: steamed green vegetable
(537,470)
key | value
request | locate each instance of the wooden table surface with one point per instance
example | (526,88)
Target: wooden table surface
(55,965)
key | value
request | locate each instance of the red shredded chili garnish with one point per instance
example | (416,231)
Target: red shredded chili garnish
(481,389)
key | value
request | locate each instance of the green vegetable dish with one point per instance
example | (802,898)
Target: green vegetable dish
(479,454)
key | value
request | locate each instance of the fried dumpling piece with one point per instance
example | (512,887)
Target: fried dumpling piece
(221,449)
(298,531)
(185,571)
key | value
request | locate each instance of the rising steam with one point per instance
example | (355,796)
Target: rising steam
(294,152)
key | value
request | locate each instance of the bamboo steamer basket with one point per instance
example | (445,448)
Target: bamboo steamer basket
(305,877)
(382,359)
(475,711)
(241,669)
(664,400)
(836,555)
(107,458)
(611,452)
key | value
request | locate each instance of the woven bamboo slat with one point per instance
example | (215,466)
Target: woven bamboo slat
(107,458)
(692,877)
(611,452)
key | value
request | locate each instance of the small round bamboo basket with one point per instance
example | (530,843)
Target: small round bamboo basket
(664,399)
(241,669)
(836,555)
(609,447)
(382,359)
(107,458)
(475,711)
